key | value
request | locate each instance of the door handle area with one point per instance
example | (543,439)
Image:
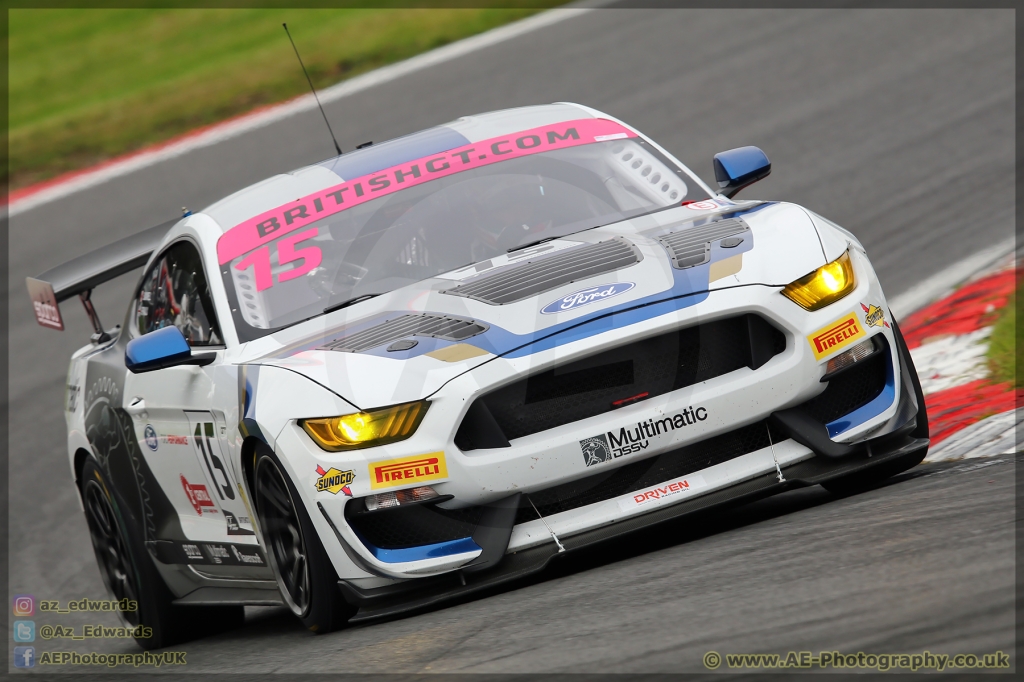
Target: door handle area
(136,405)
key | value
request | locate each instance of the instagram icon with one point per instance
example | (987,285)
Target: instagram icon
(24,605)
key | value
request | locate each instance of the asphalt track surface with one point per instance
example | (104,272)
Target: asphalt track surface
(897,124)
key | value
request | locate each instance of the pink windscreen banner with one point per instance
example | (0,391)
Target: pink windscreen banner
(297,214)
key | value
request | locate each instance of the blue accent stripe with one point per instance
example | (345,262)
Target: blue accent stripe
(394,152)
(872,409)
(440,549)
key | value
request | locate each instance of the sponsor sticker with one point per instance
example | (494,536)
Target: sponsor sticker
(44,303)
(701,205)
(192,552)
(874,316)
(198,496)
(334,481)
(586,296)
(636,438)
(408,470)
(177,440)
(680,486)
(836,336)
(246,558)
(595,450)
(235,524)
(151,440)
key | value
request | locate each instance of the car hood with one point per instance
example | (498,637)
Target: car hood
(617,275)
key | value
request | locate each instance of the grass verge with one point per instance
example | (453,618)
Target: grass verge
(86,85)
(1003,353)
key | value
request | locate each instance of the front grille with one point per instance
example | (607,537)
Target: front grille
(535,277)
(447,328)
(414,526)
(654,366)
(648,472)
(854,388)
(692,246)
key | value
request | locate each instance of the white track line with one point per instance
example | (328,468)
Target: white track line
(264,117)
(944,281)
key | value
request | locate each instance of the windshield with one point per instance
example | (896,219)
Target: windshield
(414,233)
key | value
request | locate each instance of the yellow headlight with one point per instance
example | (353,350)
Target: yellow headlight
(366,429)
(826,285)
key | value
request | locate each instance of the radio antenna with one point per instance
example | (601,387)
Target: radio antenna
(333,138)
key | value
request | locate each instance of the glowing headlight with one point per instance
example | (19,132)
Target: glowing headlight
(366,429)
(824,286)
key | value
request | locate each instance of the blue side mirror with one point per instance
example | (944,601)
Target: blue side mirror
(737,168)
(165,347)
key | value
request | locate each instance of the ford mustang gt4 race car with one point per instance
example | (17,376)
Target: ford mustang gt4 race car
(431,365)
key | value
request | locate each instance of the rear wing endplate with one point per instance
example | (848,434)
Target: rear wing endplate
(80,275)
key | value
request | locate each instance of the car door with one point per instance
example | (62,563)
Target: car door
(179,431)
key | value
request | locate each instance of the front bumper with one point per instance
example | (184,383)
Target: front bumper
(489,478)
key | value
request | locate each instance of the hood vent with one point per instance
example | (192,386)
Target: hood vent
(437,326)
(692,246)
(535,277)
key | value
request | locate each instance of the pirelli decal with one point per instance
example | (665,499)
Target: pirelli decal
(836,336)
(392,473)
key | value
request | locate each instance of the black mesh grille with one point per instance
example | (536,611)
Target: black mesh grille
(853,388)
(648,472)
(414,526)
(654,366)
(536,277)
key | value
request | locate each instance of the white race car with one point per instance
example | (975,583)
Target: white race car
(431,365)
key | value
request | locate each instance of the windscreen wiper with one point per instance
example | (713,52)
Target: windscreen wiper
(533,243)
(345,304)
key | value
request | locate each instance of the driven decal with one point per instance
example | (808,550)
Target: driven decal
(874,316)
(605,447)
(250,235)
(578,299)
(408,470)
(198,496)
(836,336)
(678,487)
(334,481)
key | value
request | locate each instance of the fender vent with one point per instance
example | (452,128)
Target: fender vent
(692,246)
(535,277)
(437,326)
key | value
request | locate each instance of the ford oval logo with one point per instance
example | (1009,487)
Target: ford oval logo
(586,296)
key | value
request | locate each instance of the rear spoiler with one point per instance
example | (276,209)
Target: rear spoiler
(80,275)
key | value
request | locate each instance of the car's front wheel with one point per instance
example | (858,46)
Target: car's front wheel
(308,582)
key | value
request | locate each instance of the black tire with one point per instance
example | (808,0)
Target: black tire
(128,573)
(862,480)
(305,575)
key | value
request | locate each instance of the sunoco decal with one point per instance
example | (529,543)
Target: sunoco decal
(578,299)
(835,336)
(874,316)
(334,481)
(408,470)
(605,447)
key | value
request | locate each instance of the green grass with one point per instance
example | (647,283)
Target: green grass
(86,85)
(1003,354)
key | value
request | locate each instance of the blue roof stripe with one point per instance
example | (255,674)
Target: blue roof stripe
(394,152)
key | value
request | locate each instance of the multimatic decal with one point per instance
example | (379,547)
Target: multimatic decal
(638,437)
